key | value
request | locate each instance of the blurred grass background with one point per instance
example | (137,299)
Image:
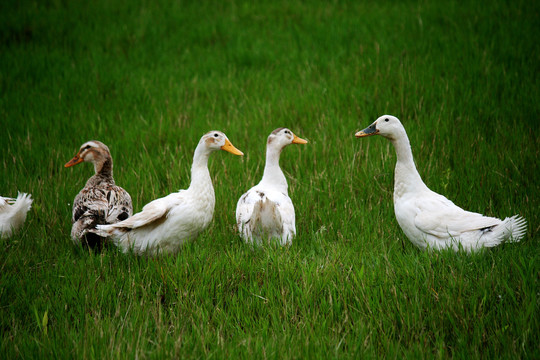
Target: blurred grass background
(148,78)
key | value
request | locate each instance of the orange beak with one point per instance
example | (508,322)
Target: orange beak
(230,148)
(298,140)
(76,160)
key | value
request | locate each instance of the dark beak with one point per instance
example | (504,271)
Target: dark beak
(370,130)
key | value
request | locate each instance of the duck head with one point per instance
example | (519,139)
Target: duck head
(387,126)
(93,151)
(216,140)
(282,137)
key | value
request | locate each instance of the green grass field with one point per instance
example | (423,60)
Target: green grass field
(149,78)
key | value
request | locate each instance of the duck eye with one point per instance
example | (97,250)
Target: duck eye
(215,135)
(387,119)
(287,132)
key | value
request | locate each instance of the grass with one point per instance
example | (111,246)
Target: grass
(148,78)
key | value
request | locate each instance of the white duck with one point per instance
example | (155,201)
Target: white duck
(101,201)
(13,213)
(266,210)
(165,224)
(428,219)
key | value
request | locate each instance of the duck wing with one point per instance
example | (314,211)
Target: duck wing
(119,205)
(263,213)
(90,202)
(245,205)
(440,217)
(152,212)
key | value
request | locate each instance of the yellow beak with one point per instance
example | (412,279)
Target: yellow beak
(230,148)
(298,140)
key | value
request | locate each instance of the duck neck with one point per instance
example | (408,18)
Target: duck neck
(103,172)
(406,178)
(273,175)
(201,182)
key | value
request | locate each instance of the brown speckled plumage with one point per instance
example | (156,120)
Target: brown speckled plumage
(101,201)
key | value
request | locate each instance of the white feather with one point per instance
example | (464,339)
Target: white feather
(13,213)
(266,211)
(429,219)
(165,224)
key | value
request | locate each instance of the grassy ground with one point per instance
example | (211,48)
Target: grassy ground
(148,78)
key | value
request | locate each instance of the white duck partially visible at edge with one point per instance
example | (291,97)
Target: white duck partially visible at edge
(13,213)
(428,219)
(165,224)
(266,210)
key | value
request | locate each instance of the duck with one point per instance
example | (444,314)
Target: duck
(430,220)
(266,211)
(13,213)
(101,201)
(165,224)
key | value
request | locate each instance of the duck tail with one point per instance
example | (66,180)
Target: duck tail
(20,207)
(22,204)
(511,229)
(15,211)
(266,220)
(109,230)
(517,226)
